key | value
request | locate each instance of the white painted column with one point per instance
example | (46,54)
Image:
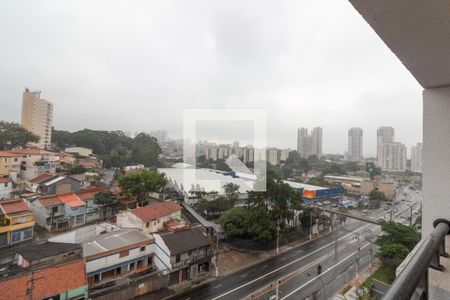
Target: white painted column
(436,156)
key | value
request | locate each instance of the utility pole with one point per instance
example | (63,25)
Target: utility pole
(278,237)
(410,216)
(357,256)
(276,291)
(310,224)
(217,256)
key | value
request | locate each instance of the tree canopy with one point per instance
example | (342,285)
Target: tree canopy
(265,210)
(139,184)
(395,233)
(113,147)
(13,135)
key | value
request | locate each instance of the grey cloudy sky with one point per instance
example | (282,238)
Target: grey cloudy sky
(135,65)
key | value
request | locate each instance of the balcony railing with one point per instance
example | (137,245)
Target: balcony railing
(412,282)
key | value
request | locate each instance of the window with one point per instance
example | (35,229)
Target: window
(16,237)
(124,254)
(28,234)
(177,259)
(20,220)
(159,221)
(147,224)
(131,266)
(154,223)
(142,248)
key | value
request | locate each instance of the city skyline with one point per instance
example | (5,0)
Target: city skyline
(164,57)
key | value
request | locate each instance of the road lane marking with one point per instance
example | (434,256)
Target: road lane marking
(215,287)
(283,258)
(320,275)
(265,266)
(243,275)
(290,263)
(299,251)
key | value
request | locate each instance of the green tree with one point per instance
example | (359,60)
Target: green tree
(13,135)
(233,222)
(141,183)
(105,199)
(393,254)
(372,169)
(395,233)
(377,195)
(232,191)
(146,150)
(118,157)
(77,170)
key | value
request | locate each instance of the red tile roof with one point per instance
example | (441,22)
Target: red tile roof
(5,180)
(52,200)
(41,178)
(71,199)
(89,193)
(48,282)
(31,151)
(155,211)
(11,206)
(8,154)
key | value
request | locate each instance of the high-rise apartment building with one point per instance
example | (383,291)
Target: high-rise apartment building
(160,135)
(316,135)
(385,134)
(393,157)
(309,144)
(355,144)
(37,117)
(416,158)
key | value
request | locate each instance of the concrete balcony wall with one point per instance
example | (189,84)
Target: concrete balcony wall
(436,156)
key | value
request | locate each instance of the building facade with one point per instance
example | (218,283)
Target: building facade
(355,144)
(9,164)
(37,117)
(309,144)
(385,134)
(16,222)
(417,158)
(151,218)
(6,187)
(187,254)
(393,157)
(118,254)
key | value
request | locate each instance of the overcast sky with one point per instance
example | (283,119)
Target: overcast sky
(135,65)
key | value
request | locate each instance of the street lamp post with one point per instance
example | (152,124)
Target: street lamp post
(310,224)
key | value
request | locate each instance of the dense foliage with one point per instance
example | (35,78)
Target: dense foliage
(113,147)
(139,184)
(396,242)
(259,220)
(13,135)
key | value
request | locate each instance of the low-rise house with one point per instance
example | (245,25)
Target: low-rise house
(74,209)
(45,271)
(59,184)
(118,254)
(151,218)
(187,254)
(9,164)
(33,184)
(95,211)
(6,187)
(79,151)
(34,162)
(65,211)
(49,212)
(16,222)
